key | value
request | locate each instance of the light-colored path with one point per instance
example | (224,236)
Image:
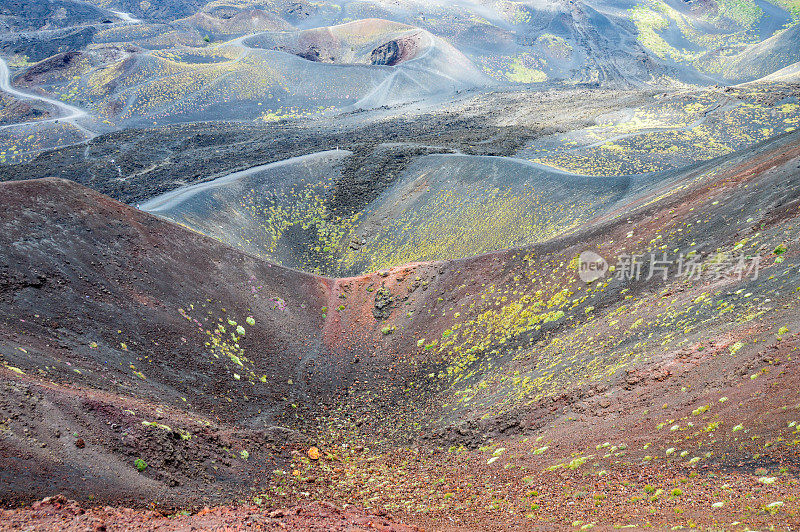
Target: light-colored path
(71,114)
(169,200)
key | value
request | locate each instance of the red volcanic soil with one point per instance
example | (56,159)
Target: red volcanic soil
(148,366)
(58,513)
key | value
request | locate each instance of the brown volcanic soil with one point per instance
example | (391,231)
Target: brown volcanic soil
(13,110)
(493,392)
(59,513)
(93,295)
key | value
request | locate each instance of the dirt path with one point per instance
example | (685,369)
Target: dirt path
(71,113)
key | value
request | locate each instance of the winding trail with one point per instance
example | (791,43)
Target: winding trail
(169,200)
(71,113)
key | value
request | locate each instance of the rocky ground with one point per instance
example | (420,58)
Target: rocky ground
(137,164)
(469,394)
(13,110)
(61,514)
(154,378)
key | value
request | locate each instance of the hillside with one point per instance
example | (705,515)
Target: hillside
(493,351)
(399,265)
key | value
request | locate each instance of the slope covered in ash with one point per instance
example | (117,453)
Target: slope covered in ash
(272,75)
(130,338)
(426,65)
(764,58)
(509,360)
(335,214)
(439,207)
(790,74)
(130,65)
(562,279)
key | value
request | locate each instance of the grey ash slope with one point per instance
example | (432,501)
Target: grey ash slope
(438,49)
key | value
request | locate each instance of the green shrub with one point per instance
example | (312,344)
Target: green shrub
(140,464)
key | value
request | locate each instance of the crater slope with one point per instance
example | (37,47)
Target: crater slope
(127,336)
(298,212)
